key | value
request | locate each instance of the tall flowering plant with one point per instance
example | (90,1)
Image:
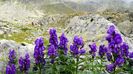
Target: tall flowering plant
(24,64)
(112,58)
(53,47)
(114,49)
(53,40)
(39,54)
(63,43)
(93,50)
(52,53)
(12,57)
(118,51)
(77,49)
(11,68)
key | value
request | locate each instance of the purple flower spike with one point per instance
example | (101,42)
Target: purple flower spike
(12,57)
(52,53)
(119,61)
(110,68)
(102,50)
(77,47)
(39,51)
(109,38)
(39,42)
(117,49)
(10,69)
(24,63)
(109,56)
(93,47)
(63,43)
(74,50)
(118,39)
(125,46)
(124,49)
(78,41)
(93,50)
(53,40)
(111,30)
(82,51)
(131,55)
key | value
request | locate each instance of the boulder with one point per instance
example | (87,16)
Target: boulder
(92,28)
(20,49)
(126,28)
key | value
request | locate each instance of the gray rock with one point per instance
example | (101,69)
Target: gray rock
(126,28)
(47,19)
(93,28)
(21,50)
(8,44)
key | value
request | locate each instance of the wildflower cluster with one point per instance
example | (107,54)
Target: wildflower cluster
(11,68)
(117,49)
(77,47)
(55,58)
(63,43)
(93,50)
(24,63)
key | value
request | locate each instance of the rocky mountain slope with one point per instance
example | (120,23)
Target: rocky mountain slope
(21,23)
(91,27)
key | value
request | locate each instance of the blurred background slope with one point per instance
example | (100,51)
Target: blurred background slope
(22,21)
(26,17)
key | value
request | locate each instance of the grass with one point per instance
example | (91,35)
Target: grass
(20,37)
(27,31)
(57,9)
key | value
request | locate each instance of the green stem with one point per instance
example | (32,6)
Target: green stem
(77,60)
(53,69)
(92,64)
(101,64)
(40,72)
(23,72)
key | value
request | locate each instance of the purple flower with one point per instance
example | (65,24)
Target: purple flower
(53,38)
(74,50)
(93,47)
(115,50)
(52,61)
(10,69)
(131,55)
(52,53)
(77,47)
(110,68)
(102,50)
(125,46)
(111,45)
(78,41)
(24,63)
(12,57)
(109,38)
(63,43)
(39,51)
(111,30)
(113,36)
(119,61)
(82,51)
(109,56)
(117,39)
(124,49)
(93,50)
